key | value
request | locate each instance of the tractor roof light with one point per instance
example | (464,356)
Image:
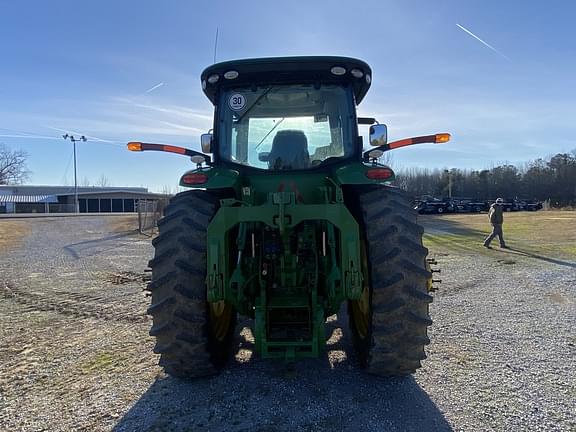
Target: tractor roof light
(135,146)
(213,79)
(379,173)
(231,74)
(442,138)
(194,179)
(338,70)
(356,73)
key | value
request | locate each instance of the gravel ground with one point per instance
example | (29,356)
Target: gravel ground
(75,354)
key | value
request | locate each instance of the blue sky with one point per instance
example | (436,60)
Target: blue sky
(85,67)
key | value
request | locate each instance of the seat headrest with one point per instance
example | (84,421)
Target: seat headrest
(289,151)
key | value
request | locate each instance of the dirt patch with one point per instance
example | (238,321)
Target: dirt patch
(12,233)
(78,305)
(556,297)
(125,277)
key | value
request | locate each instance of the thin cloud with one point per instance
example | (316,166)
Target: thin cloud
(173,110)
(483,42)
(183,127)
(151,89)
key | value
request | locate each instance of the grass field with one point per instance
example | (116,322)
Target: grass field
(543,235)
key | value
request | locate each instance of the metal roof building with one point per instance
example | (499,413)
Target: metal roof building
(60,199)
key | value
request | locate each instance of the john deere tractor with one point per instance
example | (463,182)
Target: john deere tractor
(287,218)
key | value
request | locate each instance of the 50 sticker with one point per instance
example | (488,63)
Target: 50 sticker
(237,102)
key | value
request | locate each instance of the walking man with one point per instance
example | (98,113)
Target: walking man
(496,219)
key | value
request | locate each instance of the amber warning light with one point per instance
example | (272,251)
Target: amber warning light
(442,138)
(135,146)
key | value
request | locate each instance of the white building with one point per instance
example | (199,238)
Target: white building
(60,199)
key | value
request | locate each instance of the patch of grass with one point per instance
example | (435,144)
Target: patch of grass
(12,233)
(122,223)
(101,362)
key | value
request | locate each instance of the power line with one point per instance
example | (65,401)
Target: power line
(65,176)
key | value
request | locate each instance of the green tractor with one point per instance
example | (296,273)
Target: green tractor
(286,219)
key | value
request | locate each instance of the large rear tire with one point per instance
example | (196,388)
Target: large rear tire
(389,323)
(194,338)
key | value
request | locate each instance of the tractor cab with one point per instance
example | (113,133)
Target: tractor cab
(295,113)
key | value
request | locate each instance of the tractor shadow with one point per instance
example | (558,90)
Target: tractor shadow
(97,246)
(329,393)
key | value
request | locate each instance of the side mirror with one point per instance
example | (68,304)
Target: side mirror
(378,134)
(264,156)
(206,142)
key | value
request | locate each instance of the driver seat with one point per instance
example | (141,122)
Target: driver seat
(289,151)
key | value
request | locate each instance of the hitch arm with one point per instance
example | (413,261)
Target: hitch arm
(140,146)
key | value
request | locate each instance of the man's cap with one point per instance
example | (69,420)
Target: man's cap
(499,200)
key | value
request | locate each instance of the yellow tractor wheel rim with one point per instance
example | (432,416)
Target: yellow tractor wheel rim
(220,318)
(361,307)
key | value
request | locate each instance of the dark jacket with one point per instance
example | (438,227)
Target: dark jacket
(495,214)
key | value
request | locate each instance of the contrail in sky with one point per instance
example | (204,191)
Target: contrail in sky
(485,43)
(29,136)
(154,88)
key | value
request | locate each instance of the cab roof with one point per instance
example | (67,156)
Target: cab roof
(287,70)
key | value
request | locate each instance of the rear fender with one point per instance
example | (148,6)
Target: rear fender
(357,173)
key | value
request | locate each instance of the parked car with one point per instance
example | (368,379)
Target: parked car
(470,205)
(529,205)
(434,206)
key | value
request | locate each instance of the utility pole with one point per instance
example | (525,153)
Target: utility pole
(73,139)
(449,182)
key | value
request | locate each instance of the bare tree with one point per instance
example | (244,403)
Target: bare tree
(85,182)
(169,190)
(387,159)
(103,181)
(12,166)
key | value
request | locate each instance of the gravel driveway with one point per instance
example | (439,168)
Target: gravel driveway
(75,354)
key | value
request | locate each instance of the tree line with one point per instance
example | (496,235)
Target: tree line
(553,178)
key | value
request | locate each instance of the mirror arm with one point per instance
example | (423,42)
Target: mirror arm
(173,149)
(367,121)
(437,138)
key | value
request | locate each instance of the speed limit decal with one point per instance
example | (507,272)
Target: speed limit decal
(237,102)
